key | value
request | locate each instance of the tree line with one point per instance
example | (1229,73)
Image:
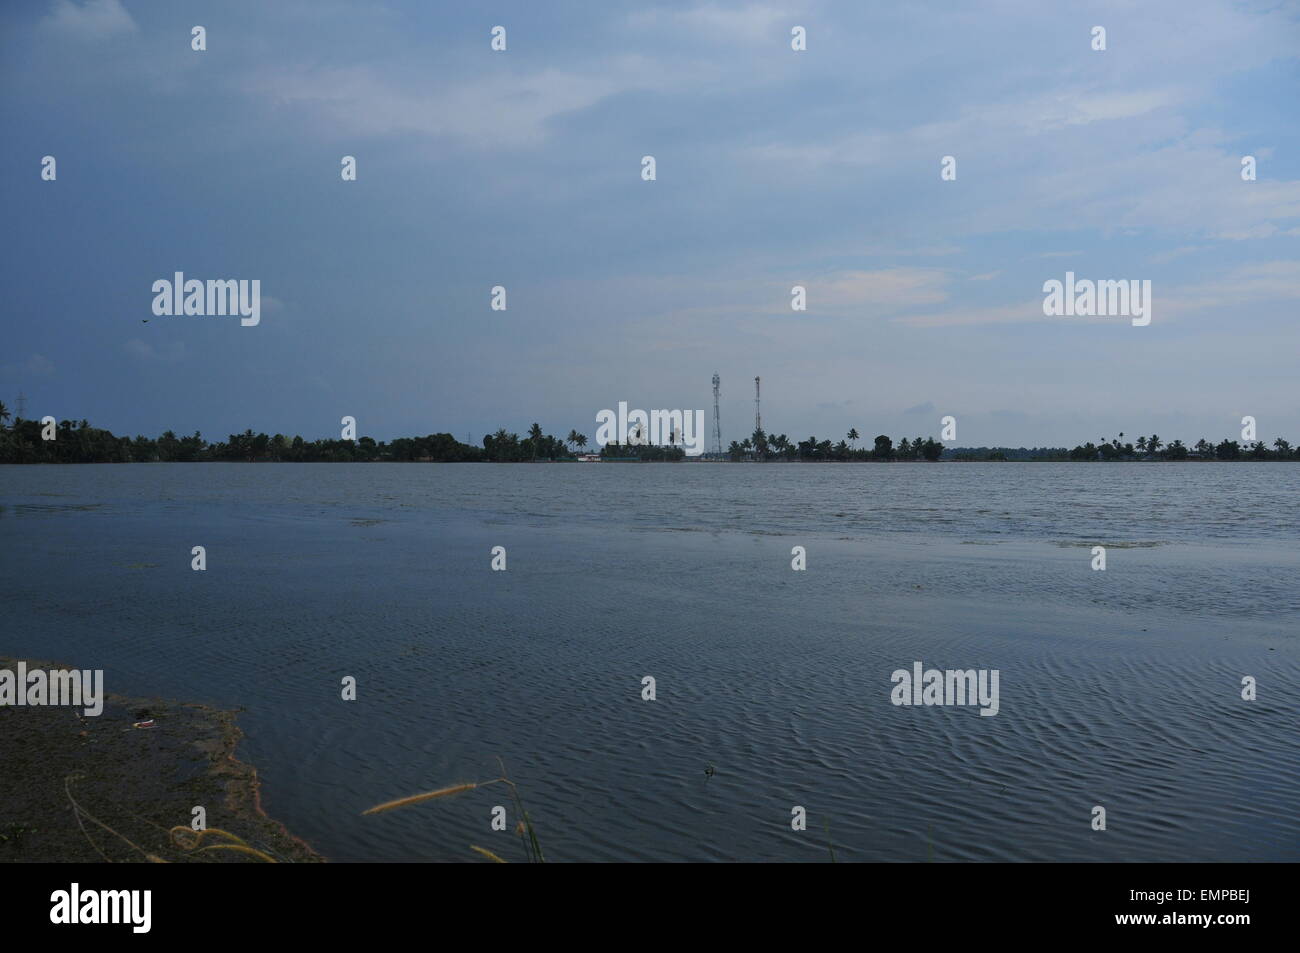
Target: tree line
(1142,449)
(79,442)
(760,446)
(21,441)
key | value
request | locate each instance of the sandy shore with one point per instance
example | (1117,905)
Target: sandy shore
(133,785)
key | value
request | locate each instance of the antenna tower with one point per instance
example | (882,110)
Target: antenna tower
(717,425)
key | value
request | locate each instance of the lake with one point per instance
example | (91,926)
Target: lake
(1119,688)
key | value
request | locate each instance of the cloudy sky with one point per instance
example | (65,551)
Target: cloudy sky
(774,168)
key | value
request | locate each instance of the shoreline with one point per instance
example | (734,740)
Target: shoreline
(134,786)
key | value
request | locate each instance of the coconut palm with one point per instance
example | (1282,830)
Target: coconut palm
(853,437)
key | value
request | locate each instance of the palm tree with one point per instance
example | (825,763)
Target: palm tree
(571,439)
(853,437)
(580,440)
(4,413)
(535,435)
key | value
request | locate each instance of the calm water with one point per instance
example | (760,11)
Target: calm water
(1118,688)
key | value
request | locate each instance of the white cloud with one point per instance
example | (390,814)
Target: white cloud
(1246,285)
(35,366)
(144,351)
(489,111)
(752,23)
(1000,314)
(92,20)
(888,289)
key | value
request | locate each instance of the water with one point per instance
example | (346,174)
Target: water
(1118,688)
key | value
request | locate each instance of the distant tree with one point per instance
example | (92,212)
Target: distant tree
(884,448)
(932,449)
(1228,450)
(853,437)
(1176,451)
(1154,443)
(580,439)
(1283,449)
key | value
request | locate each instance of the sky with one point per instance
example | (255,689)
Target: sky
(774,168)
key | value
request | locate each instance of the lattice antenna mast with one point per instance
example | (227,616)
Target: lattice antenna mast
(758,413)
(717,423)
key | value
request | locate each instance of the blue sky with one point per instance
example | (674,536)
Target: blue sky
(775,168)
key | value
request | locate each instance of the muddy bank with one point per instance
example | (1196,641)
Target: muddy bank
(133,785)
